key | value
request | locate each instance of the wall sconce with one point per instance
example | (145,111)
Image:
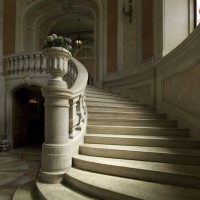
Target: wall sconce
(129,12)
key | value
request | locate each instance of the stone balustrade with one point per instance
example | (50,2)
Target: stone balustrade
(34,63)
(64,99)
(24,63)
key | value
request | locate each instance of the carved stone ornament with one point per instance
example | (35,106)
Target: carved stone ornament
(57,61)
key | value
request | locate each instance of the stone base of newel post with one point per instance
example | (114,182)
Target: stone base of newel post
(56,152)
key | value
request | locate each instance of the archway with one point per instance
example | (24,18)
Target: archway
(86,56)
(28,116)
(40,18)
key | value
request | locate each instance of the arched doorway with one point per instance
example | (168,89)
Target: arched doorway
(38,19)
(86,56)
(28,116)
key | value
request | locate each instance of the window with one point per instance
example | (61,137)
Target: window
(197,12)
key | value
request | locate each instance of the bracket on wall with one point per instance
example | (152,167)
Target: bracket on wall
(129,12)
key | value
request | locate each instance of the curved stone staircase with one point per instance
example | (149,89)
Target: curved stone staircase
(130,152)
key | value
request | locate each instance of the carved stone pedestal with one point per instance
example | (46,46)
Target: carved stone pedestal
(56,152)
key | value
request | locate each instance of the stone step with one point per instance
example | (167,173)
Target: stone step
(59,191)
(108,102)
(99,103)
(125,115)
(119,108)
(130,130)
(150,141)
(183,175)
(106,96)
(105,92)
(153,154)
(118,188)
(137,122)
(100,91)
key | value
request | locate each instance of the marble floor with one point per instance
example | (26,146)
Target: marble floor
(17,167)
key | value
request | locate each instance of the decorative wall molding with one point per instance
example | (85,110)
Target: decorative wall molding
(144,89)
(176,90)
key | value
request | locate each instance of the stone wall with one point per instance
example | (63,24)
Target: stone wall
(171,85)
(9,27)
(1,27)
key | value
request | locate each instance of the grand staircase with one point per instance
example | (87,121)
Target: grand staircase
(129,152)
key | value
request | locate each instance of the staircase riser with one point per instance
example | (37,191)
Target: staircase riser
(119,109)
(104,96)
(141,174)
(136,131)
(132,123)
(95,191)
(143,156)
(108,94)
(95,92)
(141,142)
(125,116)
(90,103)
(104,100)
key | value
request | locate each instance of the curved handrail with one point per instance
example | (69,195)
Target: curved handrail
(188,47)
(81,79)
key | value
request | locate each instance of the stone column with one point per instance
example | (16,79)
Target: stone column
(56,152)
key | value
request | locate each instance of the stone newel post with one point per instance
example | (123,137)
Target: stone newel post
(56,152)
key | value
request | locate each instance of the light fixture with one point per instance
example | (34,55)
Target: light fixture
(129,12)
(78,41)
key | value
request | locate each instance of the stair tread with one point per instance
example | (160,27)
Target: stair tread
(125,112)
(119,106)
(62,192)
(104,96)
(143,137)
(141,127)
(116,119)
(117,101)
(160,150)
(134,189)
(190,170)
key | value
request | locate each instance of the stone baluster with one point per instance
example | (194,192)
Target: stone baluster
(37,62)
(21,63)
(84,106)
(11,65)
(80,110)
(16,64)
(6,65)
(26,63)
(31,63)
(43,64)
(73,117)
(56,152)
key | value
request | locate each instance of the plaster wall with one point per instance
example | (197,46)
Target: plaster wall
(178,84)
(1,26)
(9,27)
(130,40)
(2,80)
(176,23)
(171,85)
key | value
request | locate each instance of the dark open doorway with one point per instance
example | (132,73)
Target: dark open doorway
(28,116)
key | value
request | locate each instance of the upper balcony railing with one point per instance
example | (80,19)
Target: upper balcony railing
(24,63)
